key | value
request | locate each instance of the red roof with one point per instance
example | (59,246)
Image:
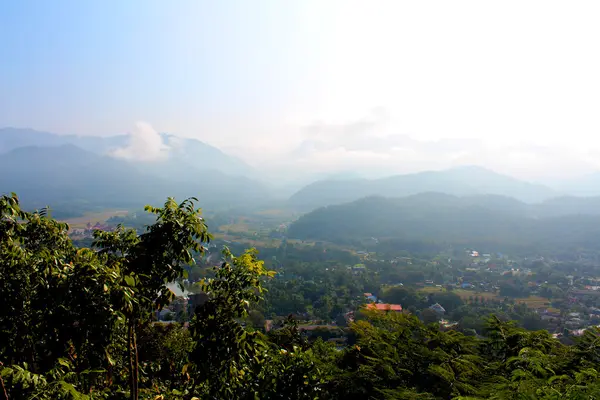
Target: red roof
(368,294)
(384,307)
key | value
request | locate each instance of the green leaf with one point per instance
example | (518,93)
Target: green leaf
(129,280)
(64,362)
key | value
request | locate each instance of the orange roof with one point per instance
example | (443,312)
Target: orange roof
(367,294)
(384,307)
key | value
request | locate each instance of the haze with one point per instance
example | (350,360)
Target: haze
(376,87)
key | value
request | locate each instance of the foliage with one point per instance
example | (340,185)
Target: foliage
(80,324)
(429,221)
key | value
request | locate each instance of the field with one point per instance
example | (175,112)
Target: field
(240,226)
(92,218)
(251,242)
(531,301)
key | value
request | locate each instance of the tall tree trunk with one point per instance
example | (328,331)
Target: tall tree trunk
(133,364)
(136,368)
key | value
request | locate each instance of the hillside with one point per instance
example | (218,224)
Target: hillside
(72,180)
(463,181)
(489,221)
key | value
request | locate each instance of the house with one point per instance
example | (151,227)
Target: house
(403,260)
(370,297)
(358,268)
(594,310)
(437,308)
(384,307)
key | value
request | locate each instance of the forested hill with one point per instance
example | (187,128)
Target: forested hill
(462,181)
(490,221)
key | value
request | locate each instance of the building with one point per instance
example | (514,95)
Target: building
(384,307)
(370,297)
(438,308)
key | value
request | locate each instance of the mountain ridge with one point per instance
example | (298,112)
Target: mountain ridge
(75,180)
(193,151)
(493,222)
(459,181)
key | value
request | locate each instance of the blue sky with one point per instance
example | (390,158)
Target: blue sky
(95,67)
(321,84)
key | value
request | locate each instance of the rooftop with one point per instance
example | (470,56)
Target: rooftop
(384,307)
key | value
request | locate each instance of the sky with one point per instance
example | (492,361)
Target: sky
(378,87)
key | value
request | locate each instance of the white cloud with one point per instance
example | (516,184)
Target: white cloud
(373,146)
(145,144)
(510,85)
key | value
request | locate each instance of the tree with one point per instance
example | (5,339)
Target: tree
(428,316)
(449,300)
(401,295)
(58,302)
(77,323)
(151,260)
(90,296)
(257,319)
(224,352)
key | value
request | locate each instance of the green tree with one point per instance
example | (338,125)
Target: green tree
(401,295)
(449,300)
(428,316)
(148,262)
(225,353)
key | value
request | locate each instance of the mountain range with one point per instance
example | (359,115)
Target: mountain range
(461,181)
(74,174)
(78,173)
(191,152)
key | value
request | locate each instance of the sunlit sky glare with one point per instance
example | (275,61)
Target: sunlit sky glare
(391,85)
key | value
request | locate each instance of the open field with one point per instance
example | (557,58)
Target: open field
(92,218)
(531,301)
(237,227)
(258,242)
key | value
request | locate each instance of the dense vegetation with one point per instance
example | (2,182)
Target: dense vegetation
(78,323)
(486,222)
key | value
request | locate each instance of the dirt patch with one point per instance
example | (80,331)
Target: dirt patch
(93,218)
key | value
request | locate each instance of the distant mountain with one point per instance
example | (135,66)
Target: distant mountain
(489,222)
(286,183)
(568,205)
(13,138)
(204,157)
(183,151)
(74,180)
(462,181)
(46,175)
